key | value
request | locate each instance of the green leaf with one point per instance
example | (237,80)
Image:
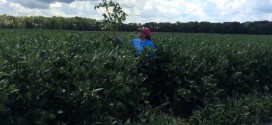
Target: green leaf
(52,116)
(99,89)
(28,94)
(2,106)
(2,74)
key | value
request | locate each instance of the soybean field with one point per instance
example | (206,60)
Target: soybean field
(50,77)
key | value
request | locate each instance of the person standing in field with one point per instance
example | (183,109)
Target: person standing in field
(144,40)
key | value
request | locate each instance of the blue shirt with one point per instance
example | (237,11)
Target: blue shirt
(139,46)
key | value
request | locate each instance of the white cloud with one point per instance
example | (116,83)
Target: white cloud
(82,5)
(18,10)
(55,5)
(148,5)
(141,11)
(57,12)
(3,1)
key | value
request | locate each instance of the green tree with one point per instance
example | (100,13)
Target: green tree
(113,14)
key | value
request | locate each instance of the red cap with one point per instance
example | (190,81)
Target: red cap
(145,30)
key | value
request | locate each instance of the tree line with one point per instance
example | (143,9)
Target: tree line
(79,23)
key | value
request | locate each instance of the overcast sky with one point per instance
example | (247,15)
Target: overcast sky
(142,11)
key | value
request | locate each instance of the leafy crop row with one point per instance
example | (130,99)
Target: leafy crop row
(63,77)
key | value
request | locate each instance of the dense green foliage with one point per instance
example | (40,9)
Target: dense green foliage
(67,78)
(78,23)
(242,110)
(64,77)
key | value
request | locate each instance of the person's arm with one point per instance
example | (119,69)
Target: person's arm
(151,45)
(132,42)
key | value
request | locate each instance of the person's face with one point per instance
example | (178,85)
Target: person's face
(141,35)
